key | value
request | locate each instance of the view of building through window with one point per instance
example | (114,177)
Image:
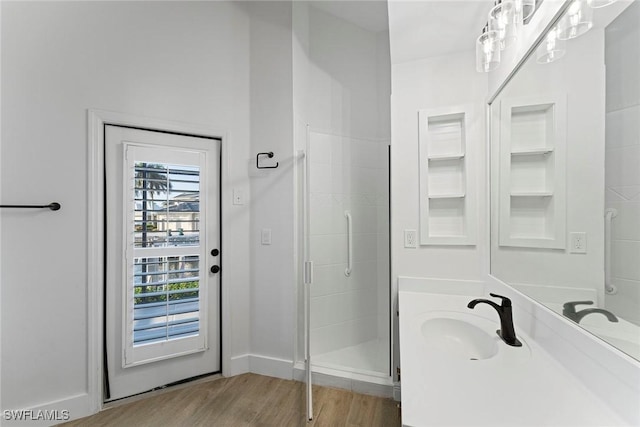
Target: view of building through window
(166,288)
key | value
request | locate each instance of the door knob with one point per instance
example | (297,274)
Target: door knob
(215,269)
(215,252)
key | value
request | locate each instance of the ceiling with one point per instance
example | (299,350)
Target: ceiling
(423,29)
(419,28)
(368,14)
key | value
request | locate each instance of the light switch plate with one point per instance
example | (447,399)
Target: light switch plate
(265,236)
(238,196)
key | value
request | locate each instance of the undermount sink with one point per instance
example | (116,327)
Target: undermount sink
(458,339)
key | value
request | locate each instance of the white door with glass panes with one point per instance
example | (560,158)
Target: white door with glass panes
(163,256)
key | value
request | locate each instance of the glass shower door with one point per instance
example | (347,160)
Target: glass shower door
(348,243)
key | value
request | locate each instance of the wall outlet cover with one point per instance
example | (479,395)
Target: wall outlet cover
(578,242)
(410,239)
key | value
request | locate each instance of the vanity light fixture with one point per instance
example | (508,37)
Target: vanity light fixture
(576,21)
(487,51)
(525,9)
(551,49)
(503,20)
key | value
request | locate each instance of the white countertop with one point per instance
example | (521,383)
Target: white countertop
(518,387)
(622,334)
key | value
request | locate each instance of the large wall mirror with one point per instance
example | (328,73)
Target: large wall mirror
(565,172)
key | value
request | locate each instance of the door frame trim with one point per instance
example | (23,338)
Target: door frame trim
(96,120)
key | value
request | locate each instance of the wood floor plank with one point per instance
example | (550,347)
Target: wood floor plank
(333,405)
(387,413)
(287,407)
(247,400)
(251,395)
(361,411)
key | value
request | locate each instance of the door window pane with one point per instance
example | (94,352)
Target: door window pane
(167,205)
(166,299)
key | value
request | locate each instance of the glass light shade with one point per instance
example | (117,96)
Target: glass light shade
(577,20)
(487,52)
(551,49)
(600,3)
(502,20)
(525,9)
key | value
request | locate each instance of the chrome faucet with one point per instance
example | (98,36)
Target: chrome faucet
(506,331)
(569,310)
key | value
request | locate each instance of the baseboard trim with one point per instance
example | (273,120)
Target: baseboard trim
(49,413)
(239,365)
(271,366)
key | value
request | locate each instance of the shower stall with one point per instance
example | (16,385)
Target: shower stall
(348,242)
(341,74)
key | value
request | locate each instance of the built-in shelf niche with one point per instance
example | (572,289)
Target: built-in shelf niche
(447,196)
(532,172)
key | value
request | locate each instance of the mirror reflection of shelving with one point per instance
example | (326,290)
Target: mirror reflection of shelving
(445,204)
(532,173)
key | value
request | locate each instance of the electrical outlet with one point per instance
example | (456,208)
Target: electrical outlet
(410,239)
(578,243)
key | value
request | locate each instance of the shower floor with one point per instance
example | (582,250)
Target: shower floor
(369,358)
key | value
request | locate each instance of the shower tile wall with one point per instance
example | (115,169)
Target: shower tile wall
(348,174)
(622,159)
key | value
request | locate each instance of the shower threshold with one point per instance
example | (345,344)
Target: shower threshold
(369,358)
(351,368)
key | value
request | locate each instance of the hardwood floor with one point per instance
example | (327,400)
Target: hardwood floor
(248,400)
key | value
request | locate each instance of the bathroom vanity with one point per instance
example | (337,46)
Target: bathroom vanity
(561,227)
(457,371)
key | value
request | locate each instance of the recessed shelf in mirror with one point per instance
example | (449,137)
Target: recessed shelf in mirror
(531,125)
(532,169)
(532,194)
(532,221)
(531,151)
(532,174)
(446,196)
(444,157)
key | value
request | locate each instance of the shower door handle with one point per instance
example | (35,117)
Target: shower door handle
(347,271)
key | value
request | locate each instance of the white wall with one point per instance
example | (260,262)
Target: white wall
(343,77)
(432,83)
(272,266)
(622,157)
(179,61)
